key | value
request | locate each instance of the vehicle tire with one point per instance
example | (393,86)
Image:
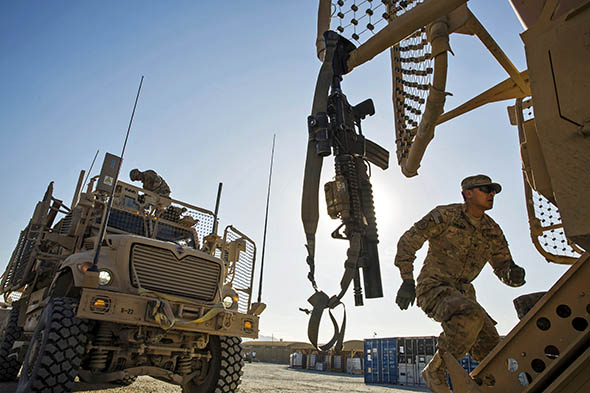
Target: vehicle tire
(10,333)
(55,352)
(224,369)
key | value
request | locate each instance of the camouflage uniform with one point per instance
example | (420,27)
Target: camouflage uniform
(459,247)
(154,182)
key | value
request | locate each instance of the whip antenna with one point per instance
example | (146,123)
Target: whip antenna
(272,155)
(215,217)
(91,166)
(103,226)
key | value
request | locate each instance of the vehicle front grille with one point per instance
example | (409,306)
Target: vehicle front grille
(159,269)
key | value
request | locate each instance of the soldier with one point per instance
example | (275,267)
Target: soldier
(462,238)
(151,181)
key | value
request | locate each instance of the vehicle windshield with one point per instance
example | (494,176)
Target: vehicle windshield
(141,213)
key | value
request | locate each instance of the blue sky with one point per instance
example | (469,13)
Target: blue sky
(219,82)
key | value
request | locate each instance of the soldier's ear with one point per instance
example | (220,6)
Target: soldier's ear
(467,195)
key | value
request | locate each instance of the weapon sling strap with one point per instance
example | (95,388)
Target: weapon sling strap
(309,210)
(321,301)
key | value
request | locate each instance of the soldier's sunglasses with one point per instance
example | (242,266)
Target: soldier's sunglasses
(487,189)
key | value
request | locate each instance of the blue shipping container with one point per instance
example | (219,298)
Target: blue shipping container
(381,361)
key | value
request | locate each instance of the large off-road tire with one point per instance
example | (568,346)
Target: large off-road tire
(9,365)
(224,368)
(55,352)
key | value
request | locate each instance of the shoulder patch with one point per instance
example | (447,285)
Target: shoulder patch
(436,216)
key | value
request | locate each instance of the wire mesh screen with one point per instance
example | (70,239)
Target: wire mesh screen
(9,277)
(358,20)
(173,224)
(550,234)
(205,222)
(171,233)
(187,217)
(412,64)
(141,212)
(21,260)
(412,71)
(64,225)
(240,275)
(128,222)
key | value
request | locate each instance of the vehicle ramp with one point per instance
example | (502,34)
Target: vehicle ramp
(549,349)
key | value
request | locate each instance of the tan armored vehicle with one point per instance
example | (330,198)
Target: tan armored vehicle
(167,297)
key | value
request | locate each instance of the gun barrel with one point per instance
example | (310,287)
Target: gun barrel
(370,265)
(372,271)
(358,290)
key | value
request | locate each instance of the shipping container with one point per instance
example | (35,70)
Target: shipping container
(337,362)
(409,347)
(296,360)
(421,362)
(407,374)
(414,353)
(311,361)
(354,366)
(381,361)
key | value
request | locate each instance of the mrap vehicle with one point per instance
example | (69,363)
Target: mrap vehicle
(166,296)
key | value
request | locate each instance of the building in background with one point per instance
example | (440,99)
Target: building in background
(278,352)
(304,356)
(350,360)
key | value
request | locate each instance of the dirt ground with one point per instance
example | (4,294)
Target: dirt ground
(258,377)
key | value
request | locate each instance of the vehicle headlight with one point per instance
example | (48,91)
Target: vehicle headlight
(228,302)
(104,277)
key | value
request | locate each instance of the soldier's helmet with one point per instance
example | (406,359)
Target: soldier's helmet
(478,181)
(135,174)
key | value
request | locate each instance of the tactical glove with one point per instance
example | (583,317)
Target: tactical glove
(406,294)
(516,276)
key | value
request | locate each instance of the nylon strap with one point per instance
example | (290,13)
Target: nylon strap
(313,162)
(320,301)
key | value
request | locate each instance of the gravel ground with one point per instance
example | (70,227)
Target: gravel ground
(258,377)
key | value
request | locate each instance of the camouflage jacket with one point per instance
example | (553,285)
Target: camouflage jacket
(457,249)
(154,182)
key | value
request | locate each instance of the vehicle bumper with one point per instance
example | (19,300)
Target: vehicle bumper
(134,310)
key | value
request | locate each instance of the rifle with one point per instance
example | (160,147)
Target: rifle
(335,128)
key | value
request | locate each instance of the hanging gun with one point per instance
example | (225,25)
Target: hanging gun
(336,129)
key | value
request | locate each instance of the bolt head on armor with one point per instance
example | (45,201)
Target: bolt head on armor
(478,181)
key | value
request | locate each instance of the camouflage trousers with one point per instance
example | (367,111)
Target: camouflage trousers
(467,327)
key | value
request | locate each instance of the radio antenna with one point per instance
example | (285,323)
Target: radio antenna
(215,217)
(103,226)
(272,155)
(91,166)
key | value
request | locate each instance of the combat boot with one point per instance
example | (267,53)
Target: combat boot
(434,375)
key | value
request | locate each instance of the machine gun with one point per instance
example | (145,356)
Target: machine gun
(335,128)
